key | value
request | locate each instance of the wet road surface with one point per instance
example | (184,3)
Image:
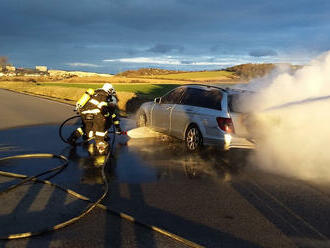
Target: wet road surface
(211,198)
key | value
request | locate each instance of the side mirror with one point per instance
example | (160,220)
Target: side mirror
(157,100)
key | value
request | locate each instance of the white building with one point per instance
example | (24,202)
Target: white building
(10,68)
(41,68)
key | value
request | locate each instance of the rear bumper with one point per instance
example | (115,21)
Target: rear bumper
(229,141)
(238,142)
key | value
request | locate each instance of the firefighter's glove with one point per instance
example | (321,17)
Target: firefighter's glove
(72,141)
(77,109)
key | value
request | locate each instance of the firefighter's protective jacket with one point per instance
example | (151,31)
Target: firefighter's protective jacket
(102,103)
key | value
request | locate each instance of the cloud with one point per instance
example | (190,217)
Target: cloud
(187,62)
(214,48)
(169,60)
(79,64)
(131,52)
(50,32)
(165,48)
(147,60)
(263,53)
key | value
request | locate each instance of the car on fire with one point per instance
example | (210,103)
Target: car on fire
(199,115)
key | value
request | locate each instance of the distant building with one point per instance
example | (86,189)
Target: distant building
(10,68)
(41,68)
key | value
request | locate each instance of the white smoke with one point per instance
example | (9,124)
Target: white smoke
(292,120)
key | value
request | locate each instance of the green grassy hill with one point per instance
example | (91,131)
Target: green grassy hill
(243,72)
(200,76)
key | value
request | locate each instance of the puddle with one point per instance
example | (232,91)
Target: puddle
(148,157)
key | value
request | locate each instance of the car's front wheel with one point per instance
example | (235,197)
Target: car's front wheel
(194,139)
(141,119)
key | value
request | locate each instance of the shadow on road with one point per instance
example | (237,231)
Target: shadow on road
(191,195)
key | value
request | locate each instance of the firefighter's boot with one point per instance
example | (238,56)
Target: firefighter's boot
(73,138)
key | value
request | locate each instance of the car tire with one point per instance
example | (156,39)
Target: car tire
(193,139)
(141,119)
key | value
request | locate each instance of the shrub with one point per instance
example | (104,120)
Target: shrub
(249,71)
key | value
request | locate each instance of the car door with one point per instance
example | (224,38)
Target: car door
(181,115)
(161,112)
(199,106)
(185,112)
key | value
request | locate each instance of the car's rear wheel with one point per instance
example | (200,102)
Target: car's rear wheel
(141,120)
(194,139)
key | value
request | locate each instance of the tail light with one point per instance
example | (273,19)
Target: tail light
(226,124)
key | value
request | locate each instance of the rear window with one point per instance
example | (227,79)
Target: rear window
(203,98)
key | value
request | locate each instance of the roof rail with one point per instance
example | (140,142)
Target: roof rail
(206,85)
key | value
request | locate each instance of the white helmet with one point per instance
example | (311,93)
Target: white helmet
(108,88)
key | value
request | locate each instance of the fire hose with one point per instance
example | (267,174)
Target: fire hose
(56,170)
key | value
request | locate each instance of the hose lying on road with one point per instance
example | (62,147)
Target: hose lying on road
(60,131)
(58,169)
(63,124)
(26,179)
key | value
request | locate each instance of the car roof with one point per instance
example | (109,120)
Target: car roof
(229,91)
(202,86)
(238,91)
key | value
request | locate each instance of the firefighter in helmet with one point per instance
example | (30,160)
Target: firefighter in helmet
(97,111)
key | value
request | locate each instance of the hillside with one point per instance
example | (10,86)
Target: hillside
(250,71)
(195,76)
(146,72)
(243,72)
(133,89)
(236,74)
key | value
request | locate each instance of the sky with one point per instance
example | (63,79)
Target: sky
(111,36)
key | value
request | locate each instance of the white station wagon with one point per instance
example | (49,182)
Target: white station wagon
(199,115)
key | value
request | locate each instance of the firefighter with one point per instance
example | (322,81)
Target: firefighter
(97,111)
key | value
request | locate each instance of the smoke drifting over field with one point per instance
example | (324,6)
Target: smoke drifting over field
(292,120)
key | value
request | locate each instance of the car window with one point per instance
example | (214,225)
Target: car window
(237,102)
(203,98)
(232,103)
(173,97)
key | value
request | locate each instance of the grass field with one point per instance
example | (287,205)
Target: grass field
(148,91)
(123,80)
(173,78)
(198,76)
(130,95)
(131,91)
(151,90)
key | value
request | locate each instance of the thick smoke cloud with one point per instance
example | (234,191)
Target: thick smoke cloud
(291,120)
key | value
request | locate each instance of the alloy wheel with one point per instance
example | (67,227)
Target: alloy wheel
(142,120)
(193,139)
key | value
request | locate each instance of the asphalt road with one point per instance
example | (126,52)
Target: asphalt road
(213,199)
(19,110)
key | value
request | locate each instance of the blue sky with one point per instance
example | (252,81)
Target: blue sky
(116,35)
